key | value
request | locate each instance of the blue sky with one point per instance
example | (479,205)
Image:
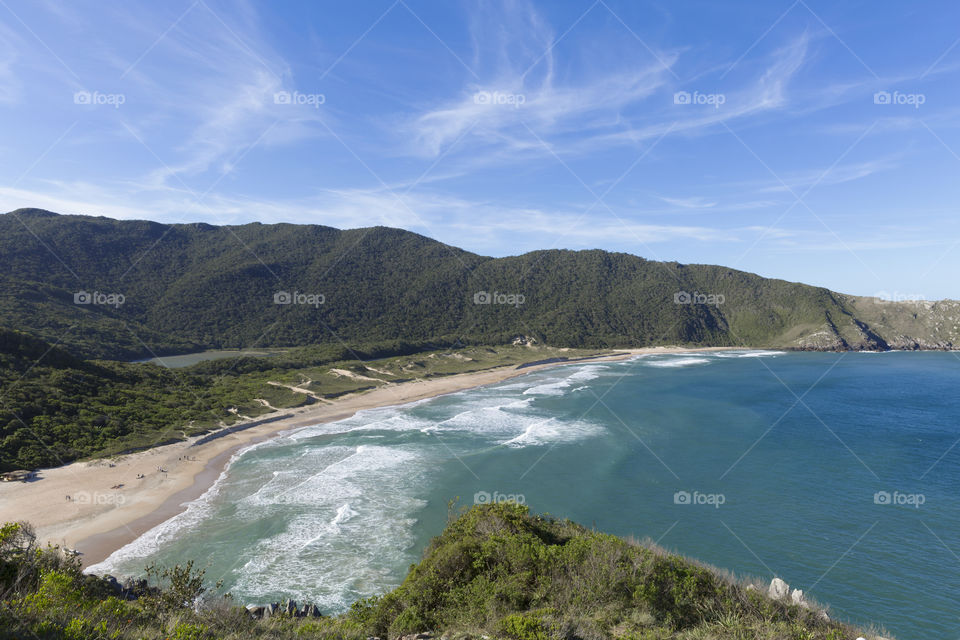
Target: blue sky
(809,140)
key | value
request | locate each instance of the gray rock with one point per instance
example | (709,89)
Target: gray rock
(256,611)
(291,608)
(778,589)
(797,597)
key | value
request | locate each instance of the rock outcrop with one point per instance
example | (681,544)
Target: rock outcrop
(288,608)
(778,589)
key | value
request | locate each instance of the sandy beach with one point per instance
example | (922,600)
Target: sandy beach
(98,506)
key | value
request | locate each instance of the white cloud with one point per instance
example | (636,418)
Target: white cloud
(796,181)
(200,90)
(520,88)
(694,202)
(524,107)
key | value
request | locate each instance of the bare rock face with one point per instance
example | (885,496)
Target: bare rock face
(797,598)
(779,589)
(288,608)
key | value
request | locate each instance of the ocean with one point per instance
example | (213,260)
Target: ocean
(838,472)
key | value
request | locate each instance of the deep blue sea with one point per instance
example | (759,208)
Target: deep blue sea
(839,473)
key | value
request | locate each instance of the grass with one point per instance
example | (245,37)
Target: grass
(497,571)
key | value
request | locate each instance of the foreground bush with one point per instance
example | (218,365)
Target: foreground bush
(496,571)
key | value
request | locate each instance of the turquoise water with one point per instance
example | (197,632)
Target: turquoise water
(782,456)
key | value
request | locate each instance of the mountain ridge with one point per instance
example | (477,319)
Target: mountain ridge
(196,286)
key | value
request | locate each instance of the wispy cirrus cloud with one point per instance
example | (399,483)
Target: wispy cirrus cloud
(229,101)
(692,202)
(519,86)
(524,106)
(797,181)
(198,84)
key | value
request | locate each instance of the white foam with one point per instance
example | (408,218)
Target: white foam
(336,466)
(760,353)
(344,548)
(680,362)
(552,389)
(557,387)
(552,431)
(344,513)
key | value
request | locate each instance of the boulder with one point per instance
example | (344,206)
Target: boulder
(778,589)
(291,608)
(797,597)
(311,611)
(255,611)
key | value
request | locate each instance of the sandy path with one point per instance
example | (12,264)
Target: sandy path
(98,518)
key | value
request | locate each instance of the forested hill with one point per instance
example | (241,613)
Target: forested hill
(106,288)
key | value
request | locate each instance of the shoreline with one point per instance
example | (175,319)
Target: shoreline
(73,507)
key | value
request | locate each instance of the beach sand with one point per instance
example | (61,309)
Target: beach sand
(98,518)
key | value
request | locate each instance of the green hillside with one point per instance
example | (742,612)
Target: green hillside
(496,572)
(196,286)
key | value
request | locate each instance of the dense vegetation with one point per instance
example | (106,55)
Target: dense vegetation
(496,571)
(196,286)
(55,408)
